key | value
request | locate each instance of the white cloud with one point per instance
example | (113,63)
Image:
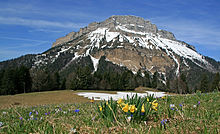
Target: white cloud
(191,31)
(37,23)
(22,39)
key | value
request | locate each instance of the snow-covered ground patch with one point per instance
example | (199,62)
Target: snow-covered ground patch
(106,96)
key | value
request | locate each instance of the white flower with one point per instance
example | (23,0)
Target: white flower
(64,112)
(31,117)
(4,112)
(129,118)
(73,131)
(194,106)
(57,110)
(1,124)
(172,105)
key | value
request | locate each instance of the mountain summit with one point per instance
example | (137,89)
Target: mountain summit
(128,42)
(116,24)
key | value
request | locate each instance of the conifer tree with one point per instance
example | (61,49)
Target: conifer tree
(155,80)
(204,84)
(216,82)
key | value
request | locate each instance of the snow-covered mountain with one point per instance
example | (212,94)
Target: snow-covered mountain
(125,41)
(132,42)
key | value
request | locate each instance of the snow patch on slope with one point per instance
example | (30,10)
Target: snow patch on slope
(106,96)
(95,63)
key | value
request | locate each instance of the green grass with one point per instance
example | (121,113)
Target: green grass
(201,118)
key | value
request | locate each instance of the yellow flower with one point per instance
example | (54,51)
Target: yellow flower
(122,104)
(119,101)
(125,108)
(148,100)
(154,108)
(100,108)
(154,105)
(142,109)
(164,97)
(92,101)
(132,108)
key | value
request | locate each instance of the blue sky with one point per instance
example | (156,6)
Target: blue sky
(31,26)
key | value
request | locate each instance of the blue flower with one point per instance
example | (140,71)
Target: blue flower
(30,113)
(21,118)
(142,113)
(45,113)
(180,105)
(131,115)
(172,108)
(77,110)
(162,122)
(36,113)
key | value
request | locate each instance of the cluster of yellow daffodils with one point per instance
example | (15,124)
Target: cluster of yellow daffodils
(127,107)
(154,105)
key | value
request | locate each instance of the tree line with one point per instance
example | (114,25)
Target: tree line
(23,80)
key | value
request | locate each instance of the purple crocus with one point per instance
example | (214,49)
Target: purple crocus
(21,118)
(163,122)
(45,113)
(36,113)
(198,102)
(77,110)
(180,105)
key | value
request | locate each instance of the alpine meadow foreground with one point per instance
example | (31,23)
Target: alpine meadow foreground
(197,113)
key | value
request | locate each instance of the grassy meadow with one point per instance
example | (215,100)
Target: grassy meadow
(65,112)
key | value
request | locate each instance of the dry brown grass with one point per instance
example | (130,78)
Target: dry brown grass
(49,97)
(41,98)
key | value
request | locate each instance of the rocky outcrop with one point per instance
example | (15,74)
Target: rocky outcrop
(64,39)
(166,34)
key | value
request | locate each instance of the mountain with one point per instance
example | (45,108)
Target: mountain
(122,43)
